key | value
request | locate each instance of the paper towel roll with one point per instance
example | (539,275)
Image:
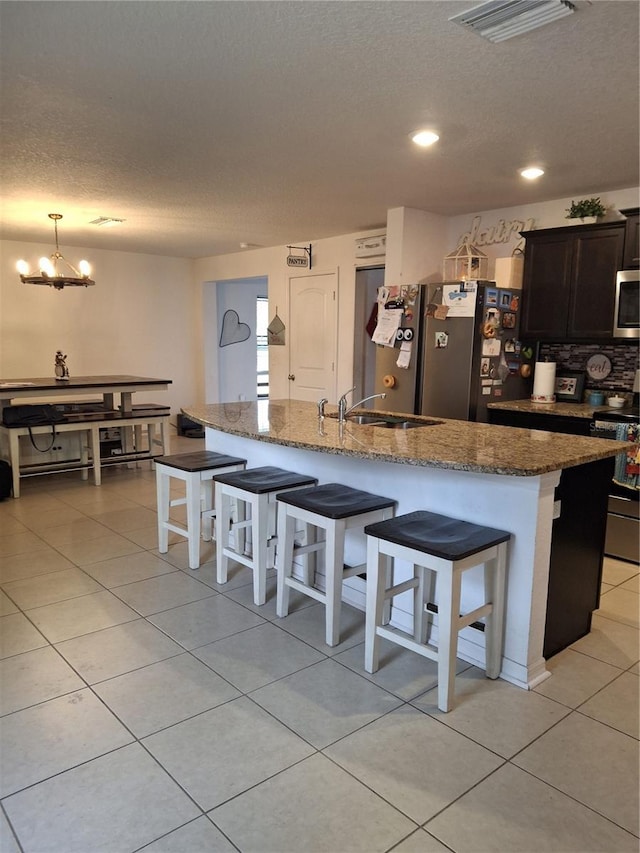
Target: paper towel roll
(544,382)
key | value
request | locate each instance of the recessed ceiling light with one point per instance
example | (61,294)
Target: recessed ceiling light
(532,173)
(424,138)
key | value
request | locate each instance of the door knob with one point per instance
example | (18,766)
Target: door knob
(292,376)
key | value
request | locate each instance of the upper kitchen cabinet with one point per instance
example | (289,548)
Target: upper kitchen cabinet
(569,281)
(631,260)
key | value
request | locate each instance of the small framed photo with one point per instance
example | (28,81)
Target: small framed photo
(569,386)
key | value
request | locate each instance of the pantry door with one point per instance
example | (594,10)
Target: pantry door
(313,323)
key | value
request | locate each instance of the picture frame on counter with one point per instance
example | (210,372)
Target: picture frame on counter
(569,386)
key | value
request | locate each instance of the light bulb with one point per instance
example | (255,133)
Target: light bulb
(22,267)
(85,268)
(532,173)
(46,267)
(425,138)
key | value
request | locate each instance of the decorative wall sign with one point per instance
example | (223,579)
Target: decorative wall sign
(598,366)
(233,331)
(275,332)
(502,232)
(569,386)
(299,260)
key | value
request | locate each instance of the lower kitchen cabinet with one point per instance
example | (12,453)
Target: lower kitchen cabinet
(579,532)
(577,551)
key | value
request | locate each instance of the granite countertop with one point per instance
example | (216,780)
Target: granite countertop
(458,445)
(567,410)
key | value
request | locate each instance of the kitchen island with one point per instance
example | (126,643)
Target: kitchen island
(498,476)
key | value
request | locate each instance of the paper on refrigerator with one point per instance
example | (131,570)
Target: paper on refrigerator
(387,325)
(460,299)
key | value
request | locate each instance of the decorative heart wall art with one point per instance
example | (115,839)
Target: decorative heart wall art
(233,331)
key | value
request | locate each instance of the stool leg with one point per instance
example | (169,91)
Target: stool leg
(239,532)
(162,501)
(309,560)
(418,604)
(193,520)
(223,522)
(495,578)
(260,535)
(429,579)
(375,603)
(207,509)
(448,616)
(284,558)
(334,567)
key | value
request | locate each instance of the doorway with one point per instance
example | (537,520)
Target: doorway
(230,334)
(313,328)
(368,280)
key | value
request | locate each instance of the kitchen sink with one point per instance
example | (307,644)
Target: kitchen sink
(388,422)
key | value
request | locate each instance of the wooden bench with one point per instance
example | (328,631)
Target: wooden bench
(87,425)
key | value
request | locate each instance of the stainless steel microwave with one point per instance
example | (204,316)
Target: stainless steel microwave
(626,319)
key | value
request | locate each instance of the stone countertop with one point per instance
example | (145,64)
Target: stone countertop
(458,445)
(567,410)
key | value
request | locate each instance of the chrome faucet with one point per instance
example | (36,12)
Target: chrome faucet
(343,411)
(321,405)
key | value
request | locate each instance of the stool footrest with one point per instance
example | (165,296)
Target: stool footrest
(176,528)
(399,588)
(311,591)
(400,638)
(474,615)
(350,571)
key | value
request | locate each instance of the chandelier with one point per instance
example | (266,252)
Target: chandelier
(50,270)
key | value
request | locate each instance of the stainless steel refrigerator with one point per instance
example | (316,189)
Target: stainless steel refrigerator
(464,352)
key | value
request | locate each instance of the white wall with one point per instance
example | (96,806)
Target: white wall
(335,254)
(138,320)
(548,214)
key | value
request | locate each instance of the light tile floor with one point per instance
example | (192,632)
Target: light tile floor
(144,707)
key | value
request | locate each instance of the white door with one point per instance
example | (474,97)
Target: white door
(313,320)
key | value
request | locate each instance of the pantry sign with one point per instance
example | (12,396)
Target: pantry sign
(301,260)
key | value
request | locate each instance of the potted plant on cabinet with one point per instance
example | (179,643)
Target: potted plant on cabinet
(587,210)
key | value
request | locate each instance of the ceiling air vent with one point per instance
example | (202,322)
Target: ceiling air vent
(106,220)
(498,20)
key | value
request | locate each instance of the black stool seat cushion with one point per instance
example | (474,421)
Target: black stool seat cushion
(258,481)
(333,500)
(438,535)
(202,460)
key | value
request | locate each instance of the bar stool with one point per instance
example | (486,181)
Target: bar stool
(256,489)
(446,548)
(335,509)
(197,471)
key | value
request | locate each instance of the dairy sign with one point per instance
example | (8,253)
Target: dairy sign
(502,232)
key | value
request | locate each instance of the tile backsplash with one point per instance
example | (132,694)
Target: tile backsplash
(624,358)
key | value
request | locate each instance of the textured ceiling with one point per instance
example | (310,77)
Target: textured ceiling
(207,124)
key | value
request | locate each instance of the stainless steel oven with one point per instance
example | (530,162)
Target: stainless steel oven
(626,318)
(623,519)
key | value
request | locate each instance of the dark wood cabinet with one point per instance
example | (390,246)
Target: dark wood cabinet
(569,281)
(631,258)
(578,536)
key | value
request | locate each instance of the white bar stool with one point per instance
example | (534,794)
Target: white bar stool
(256,489)
(197,471)
(335,509)
(445,547)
